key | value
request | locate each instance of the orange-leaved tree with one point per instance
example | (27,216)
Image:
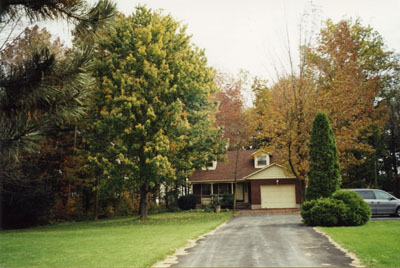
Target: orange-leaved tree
(232,117)
(283,121)
(346,86)
(333,78)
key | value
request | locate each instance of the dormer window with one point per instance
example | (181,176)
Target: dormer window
(212,165)
(261,160)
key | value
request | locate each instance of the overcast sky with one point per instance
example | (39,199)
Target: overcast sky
(252,34)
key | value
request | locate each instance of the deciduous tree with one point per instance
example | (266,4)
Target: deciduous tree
(153,88)
(391,137)
(358,71)
(347,84)
(336,76)
(233,117)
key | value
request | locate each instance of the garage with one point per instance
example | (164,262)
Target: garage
(278,196)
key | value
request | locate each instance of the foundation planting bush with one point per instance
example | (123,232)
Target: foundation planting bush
(358,212)
(187,202)
(227,201)
(344,208)
(323,212)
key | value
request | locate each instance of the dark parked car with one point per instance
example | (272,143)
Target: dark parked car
(381,202)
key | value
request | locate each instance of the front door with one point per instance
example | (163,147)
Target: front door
(239,192)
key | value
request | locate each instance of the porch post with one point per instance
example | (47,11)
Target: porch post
(212,186)
(232,187)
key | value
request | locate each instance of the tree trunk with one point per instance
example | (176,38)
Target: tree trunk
(166,197)
(375,171)
(176,194)
(397,185)
(1,201)
(86,197)
(302,181)
(235,179)
(144,190)
(393,150)
(96,201)
(303,190)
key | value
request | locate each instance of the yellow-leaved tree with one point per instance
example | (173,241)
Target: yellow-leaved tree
(333,77)
(152,115)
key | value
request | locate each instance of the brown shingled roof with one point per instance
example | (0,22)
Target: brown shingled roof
(225,171)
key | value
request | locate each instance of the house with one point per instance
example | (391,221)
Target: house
(261,183)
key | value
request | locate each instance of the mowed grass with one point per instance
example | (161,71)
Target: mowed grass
(119,242)
(377,243)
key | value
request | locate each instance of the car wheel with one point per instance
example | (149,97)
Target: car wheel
(398,212)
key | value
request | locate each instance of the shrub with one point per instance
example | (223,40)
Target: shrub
(323,212)
(358,212)
(305,211)
(208,208)
(216,200)
(25,203)
(227,201)
(343,208)
(187,202)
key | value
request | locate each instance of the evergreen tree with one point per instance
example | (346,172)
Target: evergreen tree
(39,87)
(43,88)
(324,171)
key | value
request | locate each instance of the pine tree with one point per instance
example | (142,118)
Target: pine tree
(324,171)
(40,87)
(43,86)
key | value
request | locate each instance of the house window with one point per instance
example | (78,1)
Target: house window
(206,189)
(262,160)
(197,189)
(224,188)
(210,166)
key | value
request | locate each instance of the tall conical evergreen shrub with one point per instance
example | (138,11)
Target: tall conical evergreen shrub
(324,171)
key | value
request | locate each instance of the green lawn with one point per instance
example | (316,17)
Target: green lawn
(106,243)
(377,243)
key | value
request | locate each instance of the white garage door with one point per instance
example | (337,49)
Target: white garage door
(278,196)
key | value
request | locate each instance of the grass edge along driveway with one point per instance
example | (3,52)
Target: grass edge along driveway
(376,243)
(118,242)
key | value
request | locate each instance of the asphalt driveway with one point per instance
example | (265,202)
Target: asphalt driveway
(264,240)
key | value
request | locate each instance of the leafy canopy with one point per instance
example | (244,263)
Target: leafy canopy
(152,103)
(342,74)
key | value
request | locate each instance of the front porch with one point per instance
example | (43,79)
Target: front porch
(206,192)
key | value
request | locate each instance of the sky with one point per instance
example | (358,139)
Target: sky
(255,35)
